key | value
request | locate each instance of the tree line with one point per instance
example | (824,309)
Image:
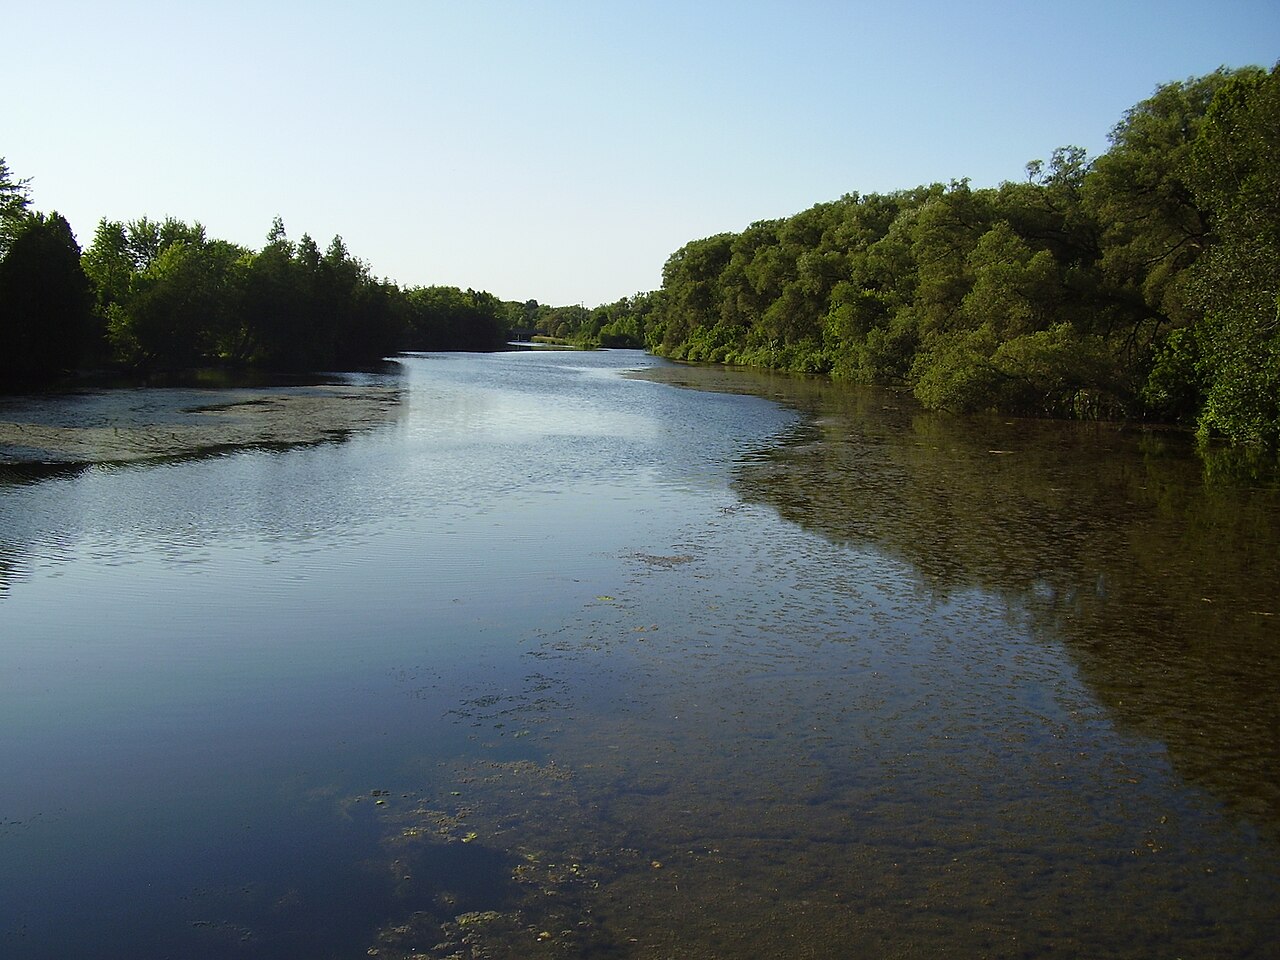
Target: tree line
(152,296)
(1143,283)
(1139,284)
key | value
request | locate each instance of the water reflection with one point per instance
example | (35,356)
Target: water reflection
(205,662)
(1159,577)
(13,476)
(90,438)
(559,663)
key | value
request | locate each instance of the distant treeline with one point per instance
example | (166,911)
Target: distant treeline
(153,297)
(1139,284)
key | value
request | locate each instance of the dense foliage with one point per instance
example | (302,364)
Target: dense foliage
(152,296)
(1142,284)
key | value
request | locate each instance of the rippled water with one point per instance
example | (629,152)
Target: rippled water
(565,662)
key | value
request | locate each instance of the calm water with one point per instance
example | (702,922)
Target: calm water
(568,664)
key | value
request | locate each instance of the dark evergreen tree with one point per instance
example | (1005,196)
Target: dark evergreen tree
(45,303)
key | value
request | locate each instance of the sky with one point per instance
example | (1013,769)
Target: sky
(562,150)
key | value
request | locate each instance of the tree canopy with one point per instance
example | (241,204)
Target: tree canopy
(1139,284)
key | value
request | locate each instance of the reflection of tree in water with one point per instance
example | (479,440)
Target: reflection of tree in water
(1162,585)
(12,543)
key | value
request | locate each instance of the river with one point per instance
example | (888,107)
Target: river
(590,655)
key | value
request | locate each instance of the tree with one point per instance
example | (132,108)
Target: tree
(45,302)
(180,306)
(276,236)
(14,201)
(692,279)
(447,318)
(274,309)
(1235,176)
(1153,229)
(110,265)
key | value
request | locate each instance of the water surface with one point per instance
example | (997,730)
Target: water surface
(563,661)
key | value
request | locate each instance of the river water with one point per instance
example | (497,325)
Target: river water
(562,661)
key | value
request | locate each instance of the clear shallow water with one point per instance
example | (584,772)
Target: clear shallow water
(608,668)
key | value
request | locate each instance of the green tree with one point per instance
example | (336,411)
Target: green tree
(691,278)
(1235,176)
(276,307)
(1153,229)
(1014,290)
(14,201)
(180,305)
(447,318)
(110,266)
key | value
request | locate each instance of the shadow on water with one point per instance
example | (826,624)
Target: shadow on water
(1155,569)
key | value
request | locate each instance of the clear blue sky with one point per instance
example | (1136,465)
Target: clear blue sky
(561,150)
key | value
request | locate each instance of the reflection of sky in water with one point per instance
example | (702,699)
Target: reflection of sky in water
(833,707)
(187,647)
